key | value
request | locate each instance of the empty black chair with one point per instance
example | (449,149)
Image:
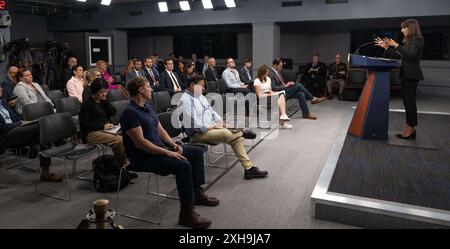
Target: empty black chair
(116,95)
(120,106)
(221,86)
(161,101)
(211,87)
(165,119)
(54,95)
(357,78)
(57,127)
(69,104)
(37,110)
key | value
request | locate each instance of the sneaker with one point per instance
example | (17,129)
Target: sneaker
(51,178)
(286,126)
(248,134)
(254,172)
(312,117)
(284,117)
(317,100)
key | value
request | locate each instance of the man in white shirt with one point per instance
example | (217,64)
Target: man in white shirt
(204,125)
(231,77)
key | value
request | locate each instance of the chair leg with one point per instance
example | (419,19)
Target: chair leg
(157,193)
(127,215)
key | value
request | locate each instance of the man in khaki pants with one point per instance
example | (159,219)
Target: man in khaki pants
(204,125)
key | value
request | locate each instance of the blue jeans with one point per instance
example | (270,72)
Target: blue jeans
(299,92)
(189,173)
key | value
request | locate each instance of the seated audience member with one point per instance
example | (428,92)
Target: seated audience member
(181,68)
(263,89)
(27,91)
(95,117)
(90,76)
(211,73)
(75,85)
(182,71)
(103,68)
(169,80)
(127,69)
(204,125)
(68,72)
(150,149)
(189,72)
(10,82)
(149,73)
(292,89)
(205,63)
(338,74)
(136,71)
(175,61)
(315,76)
(231,77)
(158,65)
(14,133)
(198,65)
(246,74)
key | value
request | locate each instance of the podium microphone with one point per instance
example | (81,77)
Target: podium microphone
(365,44)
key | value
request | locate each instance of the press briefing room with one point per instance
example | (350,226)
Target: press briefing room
(208,116)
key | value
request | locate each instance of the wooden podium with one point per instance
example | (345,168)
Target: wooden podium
(371,118)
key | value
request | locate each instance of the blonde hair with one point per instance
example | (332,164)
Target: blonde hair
(89,76)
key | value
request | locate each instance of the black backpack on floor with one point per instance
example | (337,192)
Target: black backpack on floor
(106,174)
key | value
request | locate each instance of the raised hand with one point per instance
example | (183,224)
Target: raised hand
(381,42)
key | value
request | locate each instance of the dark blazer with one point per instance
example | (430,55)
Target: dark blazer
(212,74)
(321,75)
(198,67)
(5,128)
(7,89)
(277,85)
(165,83)
(244,77)
(410,55)
(147,75)
(132,75)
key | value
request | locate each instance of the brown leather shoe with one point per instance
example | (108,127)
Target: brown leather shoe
(188,217)
(317,100)
(312,117)
(202,199)
(51,178)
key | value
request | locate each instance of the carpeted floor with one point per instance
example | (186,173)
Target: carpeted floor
(406,175)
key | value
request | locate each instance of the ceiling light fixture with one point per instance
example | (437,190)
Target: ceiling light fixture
(163,7)
(207,4)
(184,5)
(230,3)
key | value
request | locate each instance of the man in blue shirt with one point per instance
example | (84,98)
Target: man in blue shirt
(204,125)
(150,149)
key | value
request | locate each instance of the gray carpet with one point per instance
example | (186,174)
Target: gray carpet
(294,161)
(399,174)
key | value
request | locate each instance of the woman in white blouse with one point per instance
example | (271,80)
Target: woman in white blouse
(27,91)
(263,89)
(75,85)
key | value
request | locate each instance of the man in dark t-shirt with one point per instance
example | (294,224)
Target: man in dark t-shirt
(151,149)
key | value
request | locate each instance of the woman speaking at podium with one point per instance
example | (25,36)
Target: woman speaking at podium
(410,72)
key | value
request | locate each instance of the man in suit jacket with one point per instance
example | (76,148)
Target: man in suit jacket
(198,64)
(246,75)
(315,76)
(136,71)
(169,80)
(292,89)
(8,85)
(149,73)
(211,73)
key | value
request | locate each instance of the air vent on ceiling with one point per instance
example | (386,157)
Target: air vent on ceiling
(136,13)
(291,4)
(335,1)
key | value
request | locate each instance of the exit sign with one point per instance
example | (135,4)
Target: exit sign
(2,5)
